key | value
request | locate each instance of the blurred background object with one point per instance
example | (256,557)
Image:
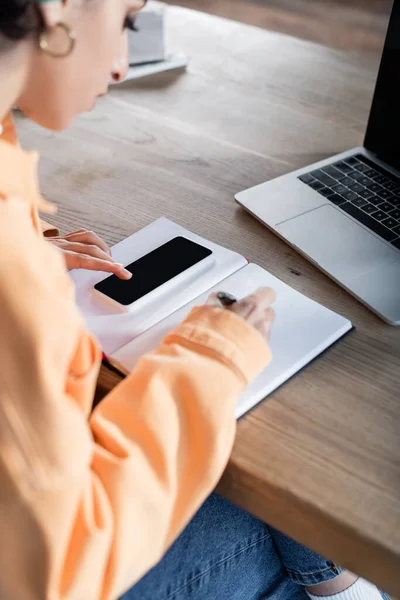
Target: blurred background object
(353,25)
(148,49)
(147,39)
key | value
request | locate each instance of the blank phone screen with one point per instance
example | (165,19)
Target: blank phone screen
(152,270)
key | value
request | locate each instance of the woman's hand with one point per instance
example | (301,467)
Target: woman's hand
(85,250)
(255,309)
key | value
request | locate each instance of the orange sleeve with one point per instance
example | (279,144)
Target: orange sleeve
(87,508)
(8,133)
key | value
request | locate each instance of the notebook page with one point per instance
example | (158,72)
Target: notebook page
(114,329)
(302,330)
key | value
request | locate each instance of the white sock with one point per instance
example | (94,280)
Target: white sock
(360,590)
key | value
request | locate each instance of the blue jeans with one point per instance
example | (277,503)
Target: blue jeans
(226,554)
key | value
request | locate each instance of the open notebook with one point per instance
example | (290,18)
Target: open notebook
(303,328)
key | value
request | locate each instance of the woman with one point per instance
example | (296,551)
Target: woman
(90,502)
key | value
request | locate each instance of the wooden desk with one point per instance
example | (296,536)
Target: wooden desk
(320,459)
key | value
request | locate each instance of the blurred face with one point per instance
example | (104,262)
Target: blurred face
(58,89)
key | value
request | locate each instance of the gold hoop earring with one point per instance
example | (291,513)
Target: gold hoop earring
(70,35)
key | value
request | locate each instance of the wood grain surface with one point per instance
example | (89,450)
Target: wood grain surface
(352,25)
(320,459)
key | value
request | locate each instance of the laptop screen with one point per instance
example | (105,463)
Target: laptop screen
(383,132)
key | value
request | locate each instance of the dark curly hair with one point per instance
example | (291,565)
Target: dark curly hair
(18,19)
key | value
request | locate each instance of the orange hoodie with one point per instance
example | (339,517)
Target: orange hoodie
(8,133)
(89,502)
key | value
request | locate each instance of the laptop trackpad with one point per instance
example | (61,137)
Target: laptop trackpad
(337,244)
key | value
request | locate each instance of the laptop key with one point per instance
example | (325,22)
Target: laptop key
(367,194)
(362,168)
(371,173)
(332,172)
(336,199)
(385,206)
(389,222)
(396,243)
(375,200)
(394,200)
(352,161)
(368,208)
(323,178)
(325,191)
(317,185)
(349,195)
(359,202)
(339,188)
(396,230)
(306,178)
(357,175)
(365,181)
(381,179)
(342,166)
(346,181)
(379,215)
(356,187)
(374,187)
(395,214)
(369,222)
(391,185)
(385,194)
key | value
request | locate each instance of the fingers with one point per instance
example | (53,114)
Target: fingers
(83,236)
(212,300)
(257,303)
(263,297)
(85,261)
(89,249)
(255,309)
(84,249)
(264,326)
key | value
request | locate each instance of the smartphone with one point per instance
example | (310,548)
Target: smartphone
(156,272)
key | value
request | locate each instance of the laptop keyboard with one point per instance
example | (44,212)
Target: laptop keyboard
(363,190)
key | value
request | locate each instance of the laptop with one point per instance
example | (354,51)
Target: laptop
(343,213)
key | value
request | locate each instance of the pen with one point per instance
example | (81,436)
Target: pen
(226,299)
